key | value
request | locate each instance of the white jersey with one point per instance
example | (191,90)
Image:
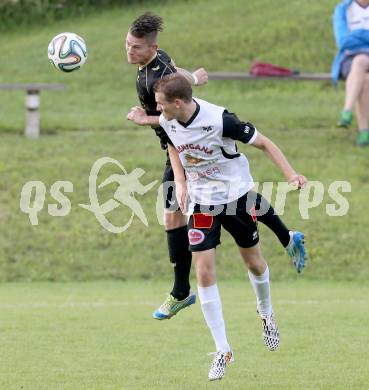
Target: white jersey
(216,173)
(357,16)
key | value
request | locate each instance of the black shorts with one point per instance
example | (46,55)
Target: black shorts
(169,188)
(240,221)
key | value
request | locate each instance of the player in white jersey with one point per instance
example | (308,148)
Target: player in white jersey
(202,140)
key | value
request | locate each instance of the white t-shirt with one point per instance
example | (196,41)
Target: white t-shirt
(357,16)
(216,173)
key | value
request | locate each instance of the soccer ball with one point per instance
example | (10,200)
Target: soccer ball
(67,52)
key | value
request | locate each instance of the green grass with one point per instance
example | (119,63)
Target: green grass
(101,336)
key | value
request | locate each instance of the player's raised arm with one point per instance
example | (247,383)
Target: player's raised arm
(138,115)
(279,159)
(198,77)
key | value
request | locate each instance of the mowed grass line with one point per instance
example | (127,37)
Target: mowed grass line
(101,336)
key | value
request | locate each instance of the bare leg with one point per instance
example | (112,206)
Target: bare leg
(205,267)
(355,80)
(173,220)
(254,259)
(362,105)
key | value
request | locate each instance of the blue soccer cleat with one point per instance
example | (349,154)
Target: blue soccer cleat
(172,306)
(296,250)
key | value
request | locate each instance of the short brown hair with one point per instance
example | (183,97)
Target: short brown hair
(147,26)
(174,86)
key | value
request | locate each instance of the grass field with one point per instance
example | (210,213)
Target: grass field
(91,328)
(101,336)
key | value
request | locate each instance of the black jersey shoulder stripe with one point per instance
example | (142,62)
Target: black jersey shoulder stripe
(159,59)
(163,73)
(166,67)
(146,77)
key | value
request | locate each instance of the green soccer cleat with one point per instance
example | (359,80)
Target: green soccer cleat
(345,119)
(172,306)
(362,138)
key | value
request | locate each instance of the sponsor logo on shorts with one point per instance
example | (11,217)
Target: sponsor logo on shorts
(255,235)
(202,221)
(195,236)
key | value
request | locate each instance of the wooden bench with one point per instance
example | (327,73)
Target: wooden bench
(32,129)
(248,76)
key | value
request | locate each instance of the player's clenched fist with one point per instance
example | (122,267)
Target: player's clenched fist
(201,76)
(137,115)
(297,180)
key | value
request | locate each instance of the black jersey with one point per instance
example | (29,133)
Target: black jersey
(147,76)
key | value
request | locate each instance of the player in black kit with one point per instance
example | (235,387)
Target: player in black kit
(153,63)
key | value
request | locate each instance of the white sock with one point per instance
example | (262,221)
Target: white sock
(261,287)
(211,307)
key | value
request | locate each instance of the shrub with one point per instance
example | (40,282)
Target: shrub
(26,12)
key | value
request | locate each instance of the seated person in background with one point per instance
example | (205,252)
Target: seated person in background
(351,29)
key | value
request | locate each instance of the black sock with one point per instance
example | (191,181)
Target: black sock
(181,257)
(271,220)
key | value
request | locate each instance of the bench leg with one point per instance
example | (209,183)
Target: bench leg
(32,129)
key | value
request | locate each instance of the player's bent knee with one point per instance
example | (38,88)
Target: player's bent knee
(205,277)
(253,259)
(257,266)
